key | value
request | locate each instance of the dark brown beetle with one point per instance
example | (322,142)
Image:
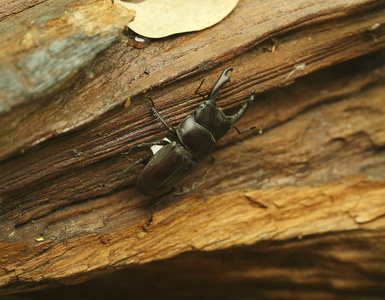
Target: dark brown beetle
(189,144)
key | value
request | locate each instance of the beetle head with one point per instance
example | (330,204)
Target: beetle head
(209,115)
(213,118)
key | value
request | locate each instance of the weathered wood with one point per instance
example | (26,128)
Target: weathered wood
(339,133)
(332,31)
(42,47)
(13,7)
(347,265)
(318,166)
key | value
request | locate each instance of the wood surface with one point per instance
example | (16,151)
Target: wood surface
(45,44)
(294,207)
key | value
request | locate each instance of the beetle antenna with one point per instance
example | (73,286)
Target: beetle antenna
(152,102)
(197,90)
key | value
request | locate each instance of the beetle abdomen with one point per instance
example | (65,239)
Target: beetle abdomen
(169,165)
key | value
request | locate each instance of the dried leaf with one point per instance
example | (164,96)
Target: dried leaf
(159,18)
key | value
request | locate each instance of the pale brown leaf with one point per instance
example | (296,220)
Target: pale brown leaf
(159,18)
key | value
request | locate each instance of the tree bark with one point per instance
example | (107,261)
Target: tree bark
(298,203)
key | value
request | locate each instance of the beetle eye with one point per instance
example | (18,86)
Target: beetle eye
(204,104)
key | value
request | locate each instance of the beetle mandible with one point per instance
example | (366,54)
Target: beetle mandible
(188,145)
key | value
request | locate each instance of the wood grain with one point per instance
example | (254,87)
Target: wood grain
(45,44)
(311,173)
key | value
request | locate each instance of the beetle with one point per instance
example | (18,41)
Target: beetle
(190,143)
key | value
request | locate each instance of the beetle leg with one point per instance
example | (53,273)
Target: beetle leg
(140,161)
(244,131)
(152,213)
(169,128)
(152,204)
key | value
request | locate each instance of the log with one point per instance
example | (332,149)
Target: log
(297,203)
(44,46)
